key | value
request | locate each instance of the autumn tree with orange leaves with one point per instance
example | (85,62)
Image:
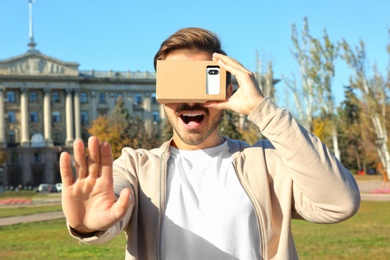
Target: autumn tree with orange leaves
(121,130)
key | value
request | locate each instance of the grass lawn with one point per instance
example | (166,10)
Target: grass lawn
(51,240)
(27,210)
(27,194)
(365,236)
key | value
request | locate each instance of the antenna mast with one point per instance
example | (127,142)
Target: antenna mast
(32,43)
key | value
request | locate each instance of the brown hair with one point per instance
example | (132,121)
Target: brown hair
(194,40)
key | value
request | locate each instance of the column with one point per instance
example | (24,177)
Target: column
(49,155)
(111,101)
(24,140)
(77,119)
(47,117)
(94,112)
(69,117)
(128,98)
(162,113)
(148,117)
(3,142)
(25,163)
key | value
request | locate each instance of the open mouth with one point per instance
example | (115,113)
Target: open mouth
(192,119)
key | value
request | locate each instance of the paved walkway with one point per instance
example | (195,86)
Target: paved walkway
(31,218)
(10,203)
(366,190)
(372,190)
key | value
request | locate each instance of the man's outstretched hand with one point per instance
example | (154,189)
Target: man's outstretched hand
(89,202)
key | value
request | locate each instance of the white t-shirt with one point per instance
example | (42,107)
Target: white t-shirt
(208,213)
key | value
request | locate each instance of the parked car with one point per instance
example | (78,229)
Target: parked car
(59,187)
(45,187)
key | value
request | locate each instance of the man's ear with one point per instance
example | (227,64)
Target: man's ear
(229,91)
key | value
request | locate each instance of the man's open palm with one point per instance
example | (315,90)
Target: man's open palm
(89,202)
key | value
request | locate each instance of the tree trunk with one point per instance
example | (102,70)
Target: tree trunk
(336,149)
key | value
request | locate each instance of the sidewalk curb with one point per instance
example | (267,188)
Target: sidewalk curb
(31,218)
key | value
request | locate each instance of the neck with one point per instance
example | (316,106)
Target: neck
(213,140)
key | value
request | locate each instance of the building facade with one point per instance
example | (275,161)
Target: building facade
(46,103)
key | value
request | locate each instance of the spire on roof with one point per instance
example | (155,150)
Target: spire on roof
(31,43)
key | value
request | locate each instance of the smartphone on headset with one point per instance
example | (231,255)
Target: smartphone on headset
(213,80)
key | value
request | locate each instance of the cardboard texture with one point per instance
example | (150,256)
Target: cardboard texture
(186,81)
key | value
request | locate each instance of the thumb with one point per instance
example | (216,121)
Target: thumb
(123,203)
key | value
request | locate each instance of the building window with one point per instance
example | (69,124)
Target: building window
(138,99)
(11,117)
(11,137)
(55,97)
(14,158)
(10,97)
(56,116)
(102,97)
(154,100)
(33,97)
(57,137)
(37,158)
(156,116)
(84,118)
(34,117)
(83,98)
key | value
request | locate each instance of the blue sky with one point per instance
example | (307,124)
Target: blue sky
(125,34)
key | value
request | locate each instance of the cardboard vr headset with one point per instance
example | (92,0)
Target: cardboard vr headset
(189,81)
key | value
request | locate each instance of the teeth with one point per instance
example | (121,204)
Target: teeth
(192,115)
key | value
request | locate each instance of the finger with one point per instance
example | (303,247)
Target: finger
(80,162)
(94,157)
(230,64)
(218,104)
(122,204)
(228,67)
(106,160)
(242,75)
(226,59)
(66,170)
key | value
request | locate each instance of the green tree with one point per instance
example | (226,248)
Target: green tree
(351,132)
(120,117)
(229,125)
(324,55)
(304,96)
(251,133)
(265,80)
(121,130)
(374,97)
(140,138)
(166,130)
(316,59)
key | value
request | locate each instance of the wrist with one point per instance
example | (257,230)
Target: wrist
(255,103)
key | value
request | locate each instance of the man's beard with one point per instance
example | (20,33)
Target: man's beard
(195,136)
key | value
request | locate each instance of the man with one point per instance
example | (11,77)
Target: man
(201,195)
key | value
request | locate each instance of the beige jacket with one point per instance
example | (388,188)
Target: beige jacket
(290,175)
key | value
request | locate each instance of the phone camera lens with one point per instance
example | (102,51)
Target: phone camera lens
(213,72)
